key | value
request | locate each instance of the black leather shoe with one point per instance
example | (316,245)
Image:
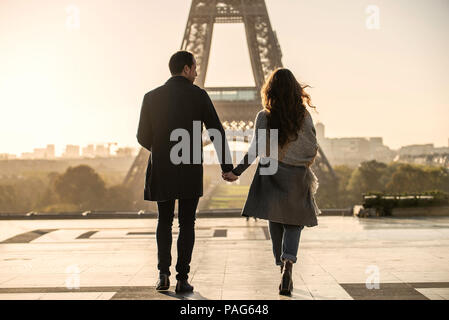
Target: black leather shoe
(183,286)
(163,283)
(286,286)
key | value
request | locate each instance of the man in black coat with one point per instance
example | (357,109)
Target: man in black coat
(176,110)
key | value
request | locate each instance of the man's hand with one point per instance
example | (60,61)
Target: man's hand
(229,176)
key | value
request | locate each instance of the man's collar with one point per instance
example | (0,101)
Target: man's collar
(178,79)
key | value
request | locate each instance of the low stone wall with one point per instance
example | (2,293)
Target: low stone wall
(420,211)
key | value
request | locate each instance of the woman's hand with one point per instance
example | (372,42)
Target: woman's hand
(229,176)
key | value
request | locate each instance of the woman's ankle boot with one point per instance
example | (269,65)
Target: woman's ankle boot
(286,286)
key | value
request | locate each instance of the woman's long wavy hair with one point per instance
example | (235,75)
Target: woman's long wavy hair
(285,101)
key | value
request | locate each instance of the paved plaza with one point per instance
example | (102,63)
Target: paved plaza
(343,258)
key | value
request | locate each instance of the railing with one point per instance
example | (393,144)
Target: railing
(232,94)
(95,215)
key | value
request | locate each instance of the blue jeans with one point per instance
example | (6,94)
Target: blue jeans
(285,240)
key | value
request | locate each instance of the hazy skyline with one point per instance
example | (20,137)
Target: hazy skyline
(61,85)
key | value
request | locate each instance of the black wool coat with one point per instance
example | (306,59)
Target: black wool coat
(175,105)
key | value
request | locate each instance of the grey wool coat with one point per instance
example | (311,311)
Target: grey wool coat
(175,105)
(288,195)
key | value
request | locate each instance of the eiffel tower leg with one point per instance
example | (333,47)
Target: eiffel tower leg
(135,178)
(325,163)
(198,39)
(251,38)
(263,45)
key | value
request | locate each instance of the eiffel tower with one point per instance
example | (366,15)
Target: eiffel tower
(233,104)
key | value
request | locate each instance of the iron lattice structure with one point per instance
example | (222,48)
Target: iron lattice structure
(264,49)
(236,104)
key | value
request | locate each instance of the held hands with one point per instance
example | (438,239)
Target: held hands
(229,176)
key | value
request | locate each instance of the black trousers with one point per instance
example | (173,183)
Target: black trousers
(186,236)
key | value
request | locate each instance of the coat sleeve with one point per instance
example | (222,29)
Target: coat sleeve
(211,120)
(313,134)
(145,130)
(252,153)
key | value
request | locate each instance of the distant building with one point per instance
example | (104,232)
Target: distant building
(40,153)
(416,149)
(125,152)
(101,151)
(425,154)
(319,127)
(422,149)
(89,151)
(353,150)
(7,156)
(71,151)
(27,155)
(441,150)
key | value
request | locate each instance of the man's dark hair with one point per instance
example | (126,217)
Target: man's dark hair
(179,60)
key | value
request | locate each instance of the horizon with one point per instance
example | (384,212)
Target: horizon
(60,150)
(86,83)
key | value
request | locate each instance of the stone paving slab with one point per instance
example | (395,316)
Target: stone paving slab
(343,258)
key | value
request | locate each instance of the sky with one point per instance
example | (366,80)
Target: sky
(64,82)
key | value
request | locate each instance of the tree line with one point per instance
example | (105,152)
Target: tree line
(378,177)
(81,188)
(77,189)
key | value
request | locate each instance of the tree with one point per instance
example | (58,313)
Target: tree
(21,193)
(117,198)
(331,194)
(438,178)
(8,198)
(82,186)
(368,177)
(50,196)
(327,193)
(414,178)
(344,174)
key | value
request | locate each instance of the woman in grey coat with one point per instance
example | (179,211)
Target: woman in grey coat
(283,187)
